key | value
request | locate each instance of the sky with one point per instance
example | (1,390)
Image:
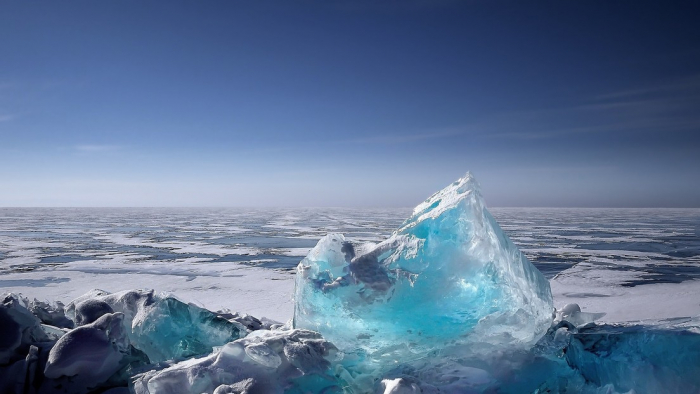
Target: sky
(349,103)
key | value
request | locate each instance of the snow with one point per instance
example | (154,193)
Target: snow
(599,290)
(258,291)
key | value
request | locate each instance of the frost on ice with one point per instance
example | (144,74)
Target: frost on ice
(449,275)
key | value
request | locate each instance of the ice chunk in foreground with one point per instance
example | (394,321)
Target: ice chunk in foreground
(637,359)
(19,329)
(92,352)
(592,359)
(51,314)
(159,325)
(449,275)
(283,361)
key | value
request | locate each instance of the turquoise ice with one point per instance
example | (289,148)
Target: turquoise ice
(449,275)
(161,326)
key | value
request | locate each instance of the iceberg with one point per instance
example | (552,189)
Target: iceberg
(448,276)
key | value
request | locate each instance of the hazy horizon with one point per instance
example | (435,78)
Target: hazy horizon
(368,207)
(348,103)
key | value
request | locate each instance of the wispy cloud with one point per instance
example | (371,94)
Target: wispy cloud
(6,117)
(401,138)
(688,84)
(665,107)
(586,169)
(96,148)
(545,133)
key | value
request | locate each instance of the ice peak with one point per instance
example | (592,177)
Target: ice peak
(465,189)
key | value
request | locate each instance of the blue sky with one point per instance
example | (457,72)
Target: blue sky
(348,103)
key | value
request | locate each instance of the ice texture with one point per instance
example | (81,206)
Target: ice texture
(161,326)
(19,329)
(90,310)
(448,275)
(51,314)
(637,359)
(588,359)
(92,352)
(270,362)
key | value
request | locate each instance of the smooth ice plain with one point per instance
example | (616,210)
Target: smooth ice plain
(446,304)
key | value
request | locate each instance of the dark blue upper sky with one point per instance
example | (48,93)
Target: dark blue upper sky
(344,103)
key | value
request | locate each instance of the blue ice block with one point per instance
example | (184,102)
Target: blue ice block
(449,275)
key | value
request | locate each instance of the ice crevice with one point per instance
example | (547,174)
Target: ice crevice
(446,304)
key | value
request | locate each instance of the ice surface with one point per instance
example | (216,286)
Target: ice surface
(74,252)
(598,288)
(448,275)
(201,284)
(608,261)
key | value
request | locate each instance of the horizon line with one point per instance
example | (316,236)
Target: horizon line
(324,207)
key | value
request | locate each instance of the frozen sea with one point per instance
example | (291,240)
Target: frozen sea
(633,264)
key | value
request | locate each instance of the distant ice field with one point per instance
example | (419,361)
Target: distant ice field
(633,264)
